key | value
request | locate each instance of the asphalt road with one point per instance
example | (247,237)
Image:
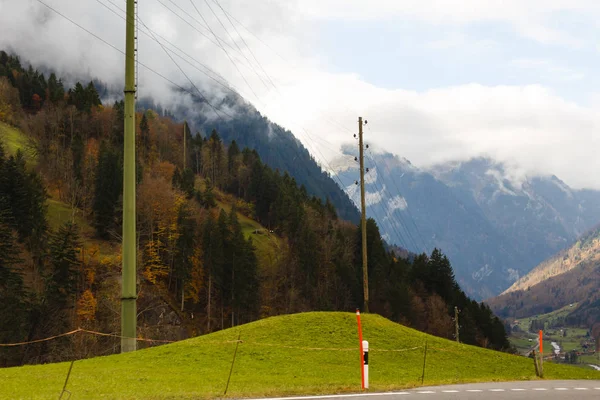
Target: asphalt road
(546,390)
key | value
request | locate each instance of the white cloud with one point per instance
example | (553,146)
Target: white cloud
(530,18)
(529,126)
(548,69)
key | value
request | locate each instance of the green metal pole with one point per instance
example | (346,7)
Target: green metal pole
(363,216)
(128,284)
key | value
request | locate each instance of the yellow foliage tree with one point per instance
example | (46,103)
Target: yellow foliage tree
(194,285)
(86,307)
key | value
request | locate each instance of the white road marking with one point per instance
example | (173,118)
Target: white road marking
(337,396)
(423,392)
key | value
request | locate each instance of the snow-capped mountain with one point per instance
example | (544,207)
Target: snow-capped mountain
(494,222)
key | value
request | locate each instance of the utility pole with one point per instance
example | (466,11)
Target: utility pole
(456,324)
(129,274)
(363,216)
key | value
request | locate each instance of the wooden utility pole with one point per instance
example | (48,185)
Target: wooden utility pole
(129,274)
(456,326)
(363,216)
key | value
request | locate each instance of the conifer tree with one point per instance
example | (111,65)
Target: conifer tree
(145,133)
(64,247)
(186,243)
(13,296)
(108,190)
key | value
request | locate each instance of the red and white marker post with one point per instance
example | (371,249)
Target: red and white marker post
(365,346)
(364,354)
(542,353)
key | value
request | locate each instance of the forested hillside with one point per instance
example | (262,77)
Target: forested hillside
(223,238)
(571,276)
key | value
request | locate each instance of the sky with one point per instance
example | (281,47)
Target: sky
(437,80)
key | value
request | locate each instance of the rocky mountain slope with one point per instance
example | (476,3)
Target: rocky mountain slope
(494,225)
(571,276)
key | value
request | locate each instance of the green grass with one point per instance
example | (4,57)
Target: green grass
(589,359)
(14,140)
(60,213)
(306,353)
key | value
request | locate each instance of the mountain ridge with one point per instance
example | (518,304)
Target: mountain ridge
(571,276)
(499,222)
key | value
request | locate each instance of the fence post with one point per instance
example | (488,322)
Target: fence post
(541,354)
(365,346)
(424,362)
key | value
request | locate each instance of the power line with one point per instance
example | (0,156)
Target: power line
(229,15)
(235,65)
(408,211)
(183,72)
(191,25)
(226,52)
(403,223)
(399,220)
(117,49)
(236,44)
(153,35)
(233,62)
(399,235)
(244,41)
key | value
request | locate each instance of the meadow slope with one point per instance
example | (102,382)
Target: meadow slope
(305,353)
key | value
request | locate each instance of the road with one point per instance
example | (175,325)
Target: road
(546,390)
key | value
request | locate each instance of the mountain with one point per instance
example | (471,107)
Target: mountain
(571,276)
(494,227)
(276,146)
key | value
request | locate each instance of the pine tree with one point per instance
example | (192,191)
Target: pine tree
(13,296)
(25,196)
(64,247)
(213,259)
(186,243)
(145,133)
(108,190)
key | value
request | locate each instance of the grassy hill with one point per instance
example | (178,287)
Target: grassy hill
(293,354)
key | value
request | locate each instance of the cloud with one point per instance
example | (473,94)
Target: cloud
(528,125)
(548,69)
(529,18)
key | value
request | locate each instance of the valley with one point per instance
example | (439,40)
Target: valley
(562,343)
